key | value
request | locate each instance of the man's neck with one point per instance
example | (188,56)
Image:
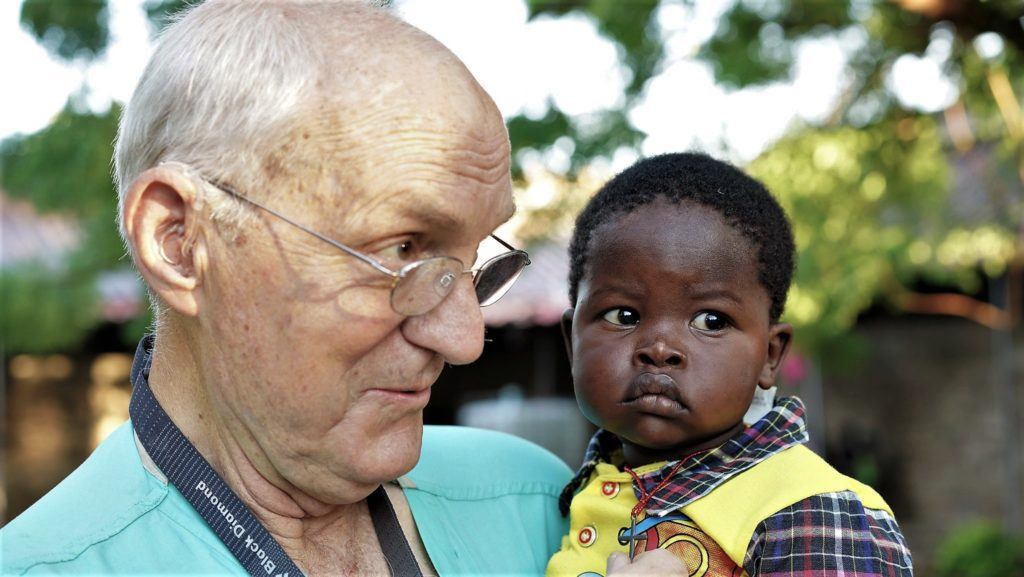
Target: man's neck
(318,536)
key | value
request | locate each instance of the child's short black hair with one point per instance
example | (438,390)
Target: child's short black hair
(744,203)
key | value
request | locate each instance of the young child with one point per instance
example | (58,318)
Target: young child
(680,267)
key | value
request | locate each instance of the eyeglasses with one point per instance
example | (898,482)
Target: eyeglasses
(418,287)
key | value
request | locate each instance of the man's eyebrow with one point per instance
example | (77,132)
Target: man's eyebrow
(431,215)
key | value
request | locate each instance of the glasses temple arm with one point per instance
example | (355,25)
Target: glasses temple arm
(503,243)
(300,226)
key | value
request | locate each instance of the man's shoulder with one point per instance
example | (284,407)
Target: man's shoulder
(474,488)
(93,503)
(470,461)
(108,516)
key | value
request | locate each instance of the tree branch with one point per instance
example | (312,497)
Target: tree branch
(958,305)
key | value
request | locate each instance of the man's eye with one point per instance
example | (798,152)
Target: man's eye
(709,321)
(622,317)
(404,251)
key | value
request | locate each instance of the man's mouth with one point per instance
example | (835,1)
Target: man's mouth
(416,392)
(657,394)
(413,399)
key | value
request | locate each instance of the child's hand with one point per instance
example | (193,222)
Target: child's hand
(656,562)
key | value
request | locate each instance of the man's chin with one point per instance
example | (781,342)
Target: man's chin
(358,479)
(387,457)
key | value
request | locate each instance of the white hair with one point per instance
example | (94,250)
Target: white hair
(225,82)
(221,94)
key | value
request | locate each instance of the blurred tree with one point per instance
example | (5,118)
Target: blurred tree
(872,189)
(869,187)
(68,28)
(63,168)
(980,549)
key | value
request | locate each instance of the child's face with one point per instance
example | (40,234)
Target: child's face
(671,331)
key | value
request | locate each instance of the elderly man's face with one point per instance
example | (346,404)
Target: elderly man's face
(320,378)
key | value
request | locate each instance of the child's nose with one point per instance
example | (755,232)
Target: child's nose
(659,354)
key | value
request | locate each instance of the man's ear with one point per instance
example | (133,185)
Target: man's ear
(780,335)
(567,331)
(160,215)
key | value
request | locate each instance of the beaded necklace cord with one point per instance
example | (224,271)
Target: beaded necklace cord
(645,495)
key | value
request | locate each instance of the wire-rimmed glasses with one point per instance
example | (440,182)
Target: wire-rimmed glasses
(418,287)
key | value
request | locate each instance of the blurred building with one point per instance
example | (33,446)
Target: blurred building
(58,407)
(26,236)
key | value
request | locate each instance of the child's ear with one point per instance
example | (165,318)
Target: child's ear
(779,337)
(567,331)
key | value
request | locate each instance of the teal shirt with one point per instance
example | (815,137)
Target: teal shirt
(485,503)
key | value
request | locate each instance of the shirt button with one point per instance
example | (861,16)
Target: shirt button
(587,536)
(609,489)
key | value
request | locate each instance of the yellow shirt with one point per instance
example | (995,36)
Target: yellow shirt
(711,534)
(599,524)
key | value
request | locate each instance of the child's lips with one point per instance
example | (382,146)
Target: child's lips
(655,393)
(659,405)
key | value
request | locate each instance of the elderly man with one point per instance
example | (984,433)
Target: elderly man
(301,188)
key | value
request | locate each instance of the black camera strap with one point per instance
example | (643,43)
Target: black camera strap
(229,518)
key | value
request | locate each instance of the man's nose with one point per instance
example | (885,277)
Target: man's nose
(454,328)
(659,353)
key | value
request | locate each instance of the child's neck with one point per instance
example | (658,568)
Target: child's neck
(638,455)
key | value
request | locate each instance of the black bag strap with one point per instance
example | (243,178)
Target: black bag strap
(389,533)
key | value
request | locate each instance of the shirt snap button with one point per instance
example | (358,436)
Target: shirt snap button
(609,489)
(587,536)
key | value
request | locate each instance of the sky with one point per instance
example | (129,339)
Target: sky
(522,65)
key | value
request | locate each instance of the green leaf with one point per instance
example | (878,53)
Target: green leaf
(69,29)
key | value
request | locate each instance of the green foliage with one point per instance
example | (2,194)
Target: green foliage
(871,216)
(68,28)
(869,188)
(599,134)
(980,550)
(855,193)
(45,310)
(737,62)
(64,168)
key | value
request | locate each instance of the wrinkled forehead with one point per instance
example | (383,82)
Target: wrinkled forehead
(388,113)
(432,145)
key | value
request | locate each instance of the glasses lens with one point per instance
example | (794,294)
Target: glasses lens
(424,284)
(497,275)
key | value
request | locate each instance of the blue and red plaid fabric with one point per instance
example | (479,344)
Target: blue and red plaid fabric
(825,535)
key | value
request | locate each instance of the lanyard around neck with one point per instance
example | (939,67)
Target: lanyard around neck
(229,518)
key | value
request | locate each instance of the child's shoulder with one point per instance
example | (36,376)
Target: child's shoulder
(795,501)
(834,534)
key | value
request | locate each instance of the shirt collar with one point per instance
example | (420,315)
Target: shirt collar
(701,473)
(140,371)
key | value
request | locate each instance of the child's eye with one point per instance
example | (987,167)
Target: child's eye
(709,321)
(622,317)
